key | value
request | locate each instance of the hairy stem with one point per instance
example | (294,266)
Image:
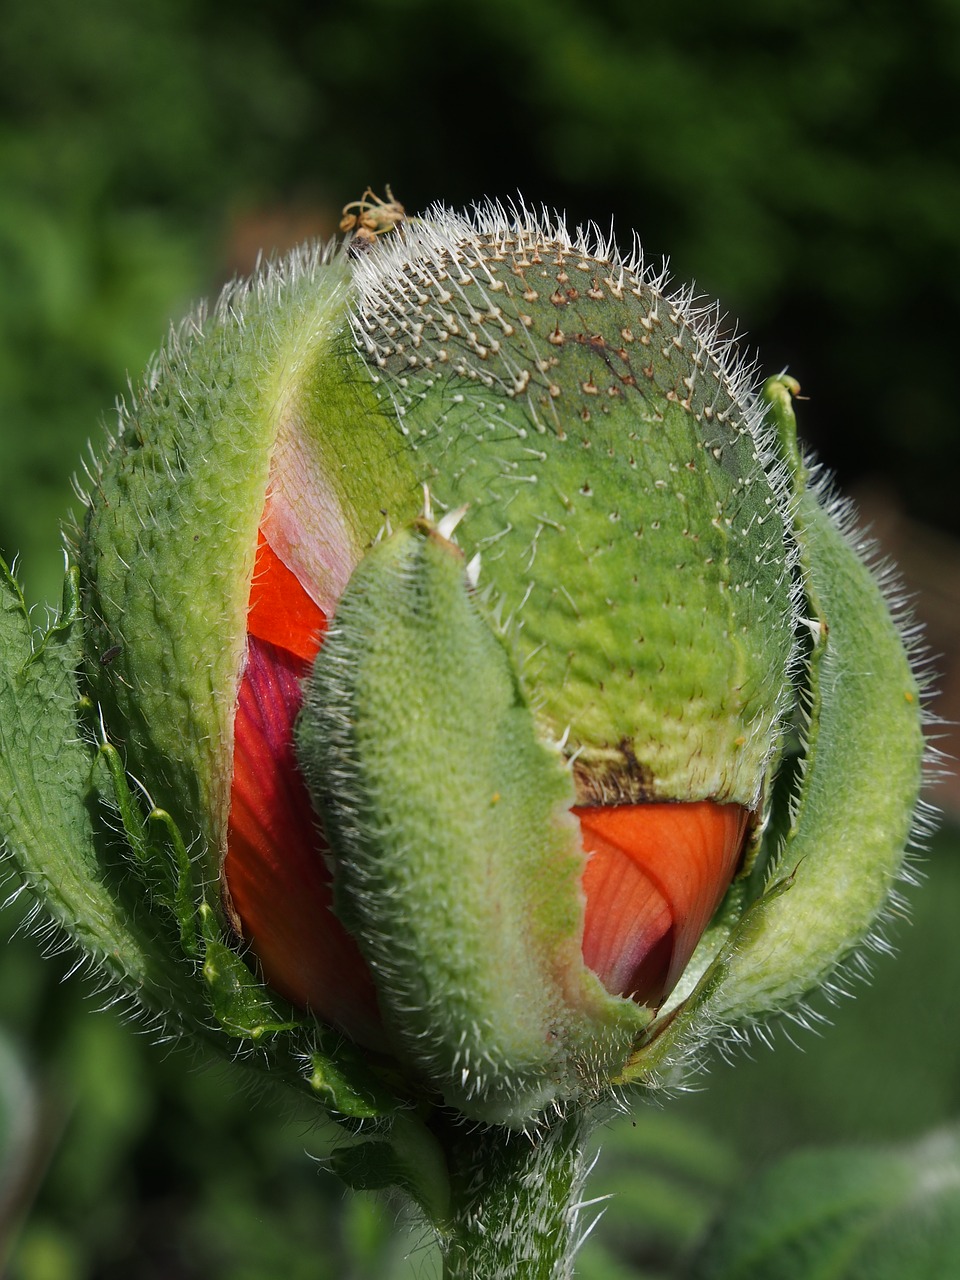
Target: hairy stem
(514,1201)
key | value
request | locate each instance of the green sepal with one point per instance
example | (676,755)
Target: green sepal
(52,822)
(168,545)
(841,851)
(457,861)
(863,756)
(612,465)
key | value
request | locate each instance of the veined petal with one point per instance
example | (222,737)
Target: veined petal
(655,876)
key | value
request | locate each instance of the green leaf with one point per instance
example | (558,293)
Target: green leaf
(852,1214)
(345,1085)
(410,1158)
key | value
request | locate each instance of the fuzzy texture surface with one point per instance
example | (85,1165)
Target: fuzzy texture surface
(620,484)
(682,609)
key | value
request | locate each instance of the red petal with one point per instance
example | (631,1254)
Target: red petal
(656,874)
(280,609)
(275,868)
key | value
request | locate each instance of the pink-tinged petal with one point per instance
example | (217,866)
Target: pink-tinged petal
(303,519)
(655,875)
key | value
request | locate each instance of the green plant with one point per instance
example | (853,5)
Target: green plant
(414,572)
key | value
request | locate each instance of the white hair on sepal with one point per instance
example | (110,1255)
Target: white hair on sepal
(900,605)
(451,250)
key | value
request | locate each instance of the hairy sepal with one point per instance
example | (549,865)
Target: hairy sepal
(52,823)
(168,544)
(457,860)
(620,481)
(833,867)
(861,774)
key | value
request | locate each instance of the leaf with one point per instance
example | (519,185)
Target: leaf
(410,1158)
(848,1214)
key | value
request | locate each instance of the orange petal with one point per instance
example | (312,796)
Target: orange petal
(655,876)
(280,609)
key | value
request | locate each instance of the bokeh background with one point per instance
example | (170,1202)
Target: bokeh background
(800,160)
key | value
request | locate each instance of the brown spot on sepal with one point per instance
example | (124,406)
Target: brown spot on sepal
(612,775)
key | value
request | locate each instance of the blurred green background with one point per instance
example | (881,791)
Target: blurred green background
(798,158)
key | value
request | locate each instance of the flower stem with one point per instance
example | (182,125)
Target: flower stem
(514,1201)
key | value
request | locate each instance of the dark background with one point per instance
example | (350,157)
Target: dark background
(798,158)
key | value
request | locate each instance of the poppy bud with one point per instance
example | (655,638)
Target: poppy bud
(469,617)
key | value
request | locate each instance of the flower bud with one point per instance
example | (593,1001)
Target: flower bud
(519,707)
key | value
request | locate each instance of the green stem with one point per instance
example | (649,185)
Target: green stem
(514,1201)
